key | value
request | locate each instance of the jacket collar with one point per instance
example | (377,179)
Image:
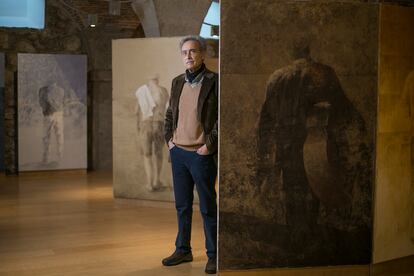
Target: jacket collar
(208,82)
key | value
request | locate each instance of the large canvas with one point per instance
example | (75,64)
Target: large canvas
(2,72)
(52,112)
(394,190)
(142,73)
(297,131)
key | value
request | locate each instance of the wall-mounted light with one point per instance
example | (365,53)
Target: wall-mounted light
(92,20)
(215,31)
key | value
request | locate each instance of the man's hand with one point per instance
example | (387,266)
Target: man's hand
(203,150)
(170,145)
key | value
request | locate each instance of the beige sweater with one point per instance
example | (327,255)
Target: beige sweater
(189,133)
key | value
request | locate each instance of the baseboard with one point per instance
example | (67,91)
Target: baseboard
(401,266)
(398,267)
(357,270)
(54,172)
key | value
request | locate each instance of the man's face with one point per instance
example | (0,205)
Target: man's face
(192,56)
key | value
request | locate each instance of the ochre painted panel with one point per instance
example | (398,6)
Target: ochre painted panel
(394,195)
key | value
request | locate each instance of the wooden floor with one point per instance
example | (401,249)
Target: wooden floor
(69,224)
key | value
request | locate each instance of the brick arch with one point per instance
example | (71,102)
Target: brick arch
(171,18)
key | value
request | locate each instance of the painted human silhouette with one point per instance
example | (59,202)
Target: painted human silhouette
(150,110)
(51,99)
(304,135)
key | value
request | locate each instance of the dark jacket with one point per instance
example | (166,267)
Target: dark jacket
(207,109)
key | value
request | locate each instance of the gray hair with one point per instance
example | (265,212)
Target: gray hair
(201,41)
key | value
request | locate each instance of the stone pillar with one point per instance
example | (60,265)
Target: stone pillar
(100,119)
(10,115)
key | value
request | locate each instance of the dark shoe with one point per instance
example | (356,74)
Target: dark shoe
(177,258)
(211,266)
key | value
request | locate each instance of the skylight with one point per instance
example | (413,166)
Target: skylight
(22,13)
(212,20)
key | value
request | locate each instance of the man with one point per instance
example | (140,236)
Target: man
(150,110)
(191,134)
(51,99)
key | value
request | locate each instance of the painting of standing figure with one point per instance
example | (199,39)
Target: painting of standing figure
(297,133)
(51,101)
(142,73)
(143,70)
(52,112)
(150,109)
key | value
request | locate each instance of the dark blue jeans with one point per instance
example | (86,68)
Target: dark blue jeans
(188,168)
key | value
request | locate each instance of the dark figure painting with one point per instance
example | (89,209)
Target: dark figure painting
(310,143)
(298,117)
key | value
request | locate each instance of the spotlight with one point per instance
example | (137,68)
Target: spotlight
(92,20)
(215,31)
